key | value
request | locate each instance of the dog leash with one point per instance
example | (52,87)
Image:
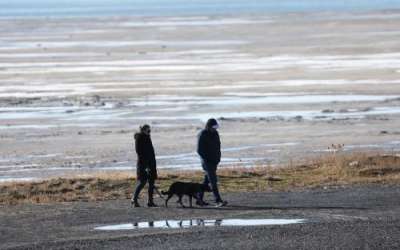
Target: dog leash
(158,192)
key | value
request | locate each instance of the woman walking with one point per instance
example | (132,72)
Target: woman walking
(146,169)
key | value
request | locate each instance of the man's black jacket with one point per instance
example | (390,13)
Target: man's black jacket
(146,159)
(209,146)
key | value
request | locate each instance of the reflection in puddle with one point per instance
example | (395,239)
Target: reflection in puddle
(171,224)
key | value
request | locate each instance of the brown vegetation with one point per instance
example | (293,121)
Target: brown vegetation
(335,169)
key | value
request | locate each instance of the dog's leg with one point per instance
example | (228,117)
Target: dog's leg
(197,197)
(166,200)
(190,200)
(180,201)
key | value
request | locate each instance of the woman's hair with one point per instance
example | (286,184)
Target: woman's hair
(144,127)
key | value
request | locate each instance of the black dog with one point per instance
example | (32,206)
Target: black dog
(186,188)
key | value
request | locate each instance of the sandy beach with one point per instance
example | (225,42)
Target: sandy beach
(284,88)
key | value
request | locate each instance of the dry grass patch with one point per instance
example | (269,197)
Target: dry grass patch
(329,170)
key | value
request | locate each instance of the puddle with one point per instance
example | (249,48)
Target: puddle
(174,224)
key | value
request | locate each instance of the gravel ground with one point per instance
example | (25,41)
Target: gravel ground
(364,217)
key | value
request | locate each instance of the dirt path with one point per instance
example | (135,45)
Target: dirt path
(357,217)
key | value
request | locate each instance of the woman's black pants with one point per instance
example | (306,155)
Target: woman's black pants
(141,182)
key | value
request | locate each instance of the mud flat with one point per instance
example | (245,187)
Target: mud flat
(353,217)
(284,88)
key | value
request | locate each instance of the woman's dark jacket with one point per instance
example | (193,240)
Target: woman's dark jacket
(209,146)
(146,159)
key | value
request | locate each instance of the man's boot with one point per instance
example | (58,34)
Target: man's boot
(151,204)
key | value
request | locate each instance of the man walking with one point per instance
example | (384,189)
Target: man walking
(146,170)
(209,149)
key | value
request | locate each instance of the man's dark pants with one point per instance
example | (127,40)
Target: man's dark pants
(210,178)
